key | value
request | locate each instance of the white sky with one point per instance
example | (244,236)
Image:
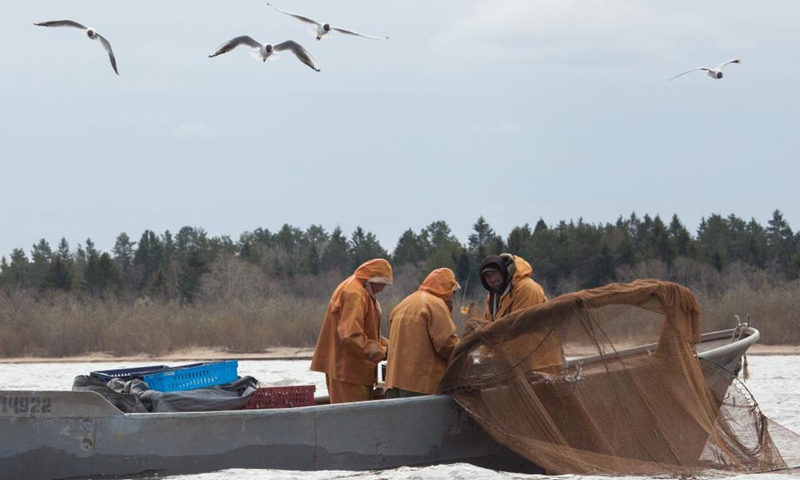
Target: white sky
(510,109)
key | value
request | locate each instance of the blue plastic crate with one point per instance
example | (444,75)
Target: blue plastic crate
(196,375)
(126,374)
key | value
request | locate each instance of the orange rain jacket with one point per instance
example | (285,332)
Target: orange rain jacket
(422,335)
(521,293)
(350,344)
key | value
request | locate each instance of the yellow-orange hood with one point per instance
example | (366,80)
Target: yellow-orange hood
(376,270)
(440,282)
(522,268)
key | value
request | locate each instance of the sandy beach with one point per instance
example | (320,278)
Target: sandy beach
(274,353)
(759,349)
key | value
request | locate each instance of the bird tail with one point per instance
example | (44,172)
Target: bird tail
(316,34)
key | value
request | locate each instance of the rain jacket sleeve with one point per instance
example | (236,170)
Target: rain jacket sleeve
(351,330)
(441,330)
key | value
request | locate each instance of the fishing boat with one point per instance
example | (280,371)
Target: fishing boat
(64,434)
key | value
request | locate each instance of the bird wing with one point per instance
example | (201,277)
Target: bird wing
(107,46)
(299,17)
(350,32)
(61,23)
(735,60)
(689,71)
(300,52)
(235,42)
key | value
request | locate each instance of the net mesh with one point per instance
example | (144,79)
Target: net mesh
(607,381)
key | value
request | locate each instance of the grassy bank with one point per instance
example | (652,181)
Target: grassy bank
(65,325)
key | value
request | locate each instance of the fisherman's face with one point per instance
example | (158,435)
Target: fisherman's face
(377,287)
(494,279)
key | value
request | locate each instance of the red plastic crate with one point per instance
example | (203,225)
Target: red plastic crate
(282,397)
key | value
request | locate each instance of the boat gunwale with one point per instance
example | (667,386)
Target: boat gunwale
(742,343)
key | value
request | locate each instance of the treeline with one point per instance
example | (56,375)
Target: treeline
(565,256)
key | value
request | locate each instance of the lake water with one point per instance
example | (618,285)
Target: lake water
(774,381)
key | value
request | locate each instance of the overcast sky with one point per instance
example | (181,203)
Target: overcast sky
(511,109)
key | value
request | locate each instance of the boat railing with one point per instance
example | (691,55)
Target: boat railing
(740,327)
(741,337)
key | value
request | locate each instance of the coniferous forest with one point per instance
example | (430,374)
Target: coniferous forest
(165,291)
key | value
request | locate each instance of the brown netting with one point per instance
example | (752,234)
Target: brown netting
(560,384)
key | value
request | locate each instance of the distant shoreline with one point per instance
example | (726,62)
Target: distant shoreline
(190,355)
(275,353)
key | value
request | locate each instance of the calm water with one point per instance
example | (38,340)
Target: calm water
(774,381)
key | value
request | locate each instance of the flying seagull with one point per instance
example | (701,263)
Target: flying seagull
(715,73)
(90,32)
(325,28)
(263,51)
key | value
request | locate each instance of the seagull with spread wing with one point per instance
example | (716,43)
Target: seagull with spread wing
(715,73)
(90,32)
(323,29)
(263,51)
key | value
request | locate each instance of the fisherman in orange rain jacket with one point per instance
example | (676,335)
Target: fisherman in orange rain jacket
(350,344)
(422,336)
(511,289)
(508,279)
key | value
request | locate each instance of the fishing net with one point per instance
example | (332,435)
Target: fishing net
(607,381)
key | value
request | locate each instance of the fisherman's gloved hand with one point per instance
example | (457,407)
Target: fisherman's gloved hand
(473,324)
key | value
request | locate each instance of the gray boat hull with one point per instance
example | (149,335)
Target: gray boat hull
(81,434)
(58,434)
